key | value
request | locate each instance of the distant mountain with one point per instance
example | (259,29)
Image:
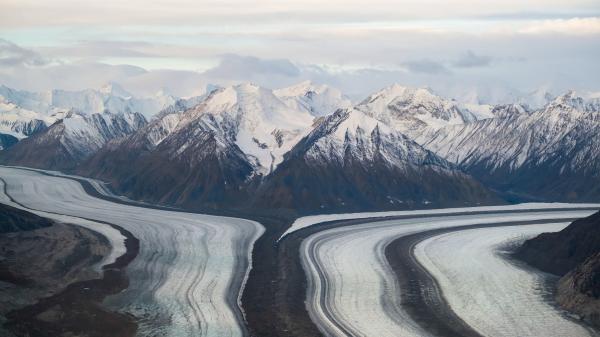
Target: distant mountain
(547,154)
(110,97)
(319,100)
(19,122)
(23,113)
(353,161)
(71,139)
(414,111)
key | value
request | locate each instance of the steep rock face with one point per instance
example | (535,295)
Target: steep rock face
(548,154)
(573,253)
(560,252)
(579,290)
(7,141)
(351,161)
(70,140)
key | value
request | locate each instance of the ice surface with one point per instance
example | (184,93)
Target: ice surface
(351,287)
(490,293)
(310,220)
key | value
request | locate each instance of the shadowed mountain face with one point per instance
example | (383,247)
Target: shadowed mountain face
(573,253)
(579,290)
(207,178)
(549,154)
(69,141)
(15,220)
(560,252)
(7,141)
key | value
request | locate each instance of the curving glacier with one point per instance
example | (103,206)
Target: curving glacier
(352,290)
(191,268)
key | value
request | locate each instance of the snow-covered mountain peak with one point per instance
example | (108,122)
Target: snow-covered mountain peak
(20,122)
(318,99)
(570,106)
(254,107)
(414,110)
(350,135)
(355,122)
(245,116)
(569,99)
(395,92)
(302,89)
(509,110)
(110,97)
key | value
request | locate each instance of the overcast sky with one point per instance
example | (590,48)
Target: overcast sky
(456,47)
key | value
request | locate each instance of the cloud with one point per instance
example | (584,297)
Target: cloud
(234,66)
(231,12)
(356,81)
(470,60)
(574,26)
(426,66)
(13,55)
(104,48)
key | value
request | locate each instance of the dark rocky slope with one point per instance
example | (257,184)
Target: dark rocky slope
(15,220)
(560,252)
(574,254)
(7,141)
(49,282)
(202,177)
(579,290)
(69,141)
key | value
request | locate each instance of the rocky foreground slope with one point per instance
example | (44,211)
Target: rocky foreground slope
(45,266)
(574,254)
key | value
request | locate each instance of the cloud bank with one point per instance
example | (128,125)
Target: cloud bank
(456,46)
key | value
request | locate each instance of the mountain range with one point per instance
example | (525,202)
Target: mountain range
(308,147)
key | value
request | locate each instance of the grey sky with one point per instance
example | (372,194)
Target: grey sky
(456,47)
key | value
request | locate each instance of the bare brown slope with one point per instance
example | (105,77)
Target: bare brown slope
(573,253)
(14,220)
(560,252)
